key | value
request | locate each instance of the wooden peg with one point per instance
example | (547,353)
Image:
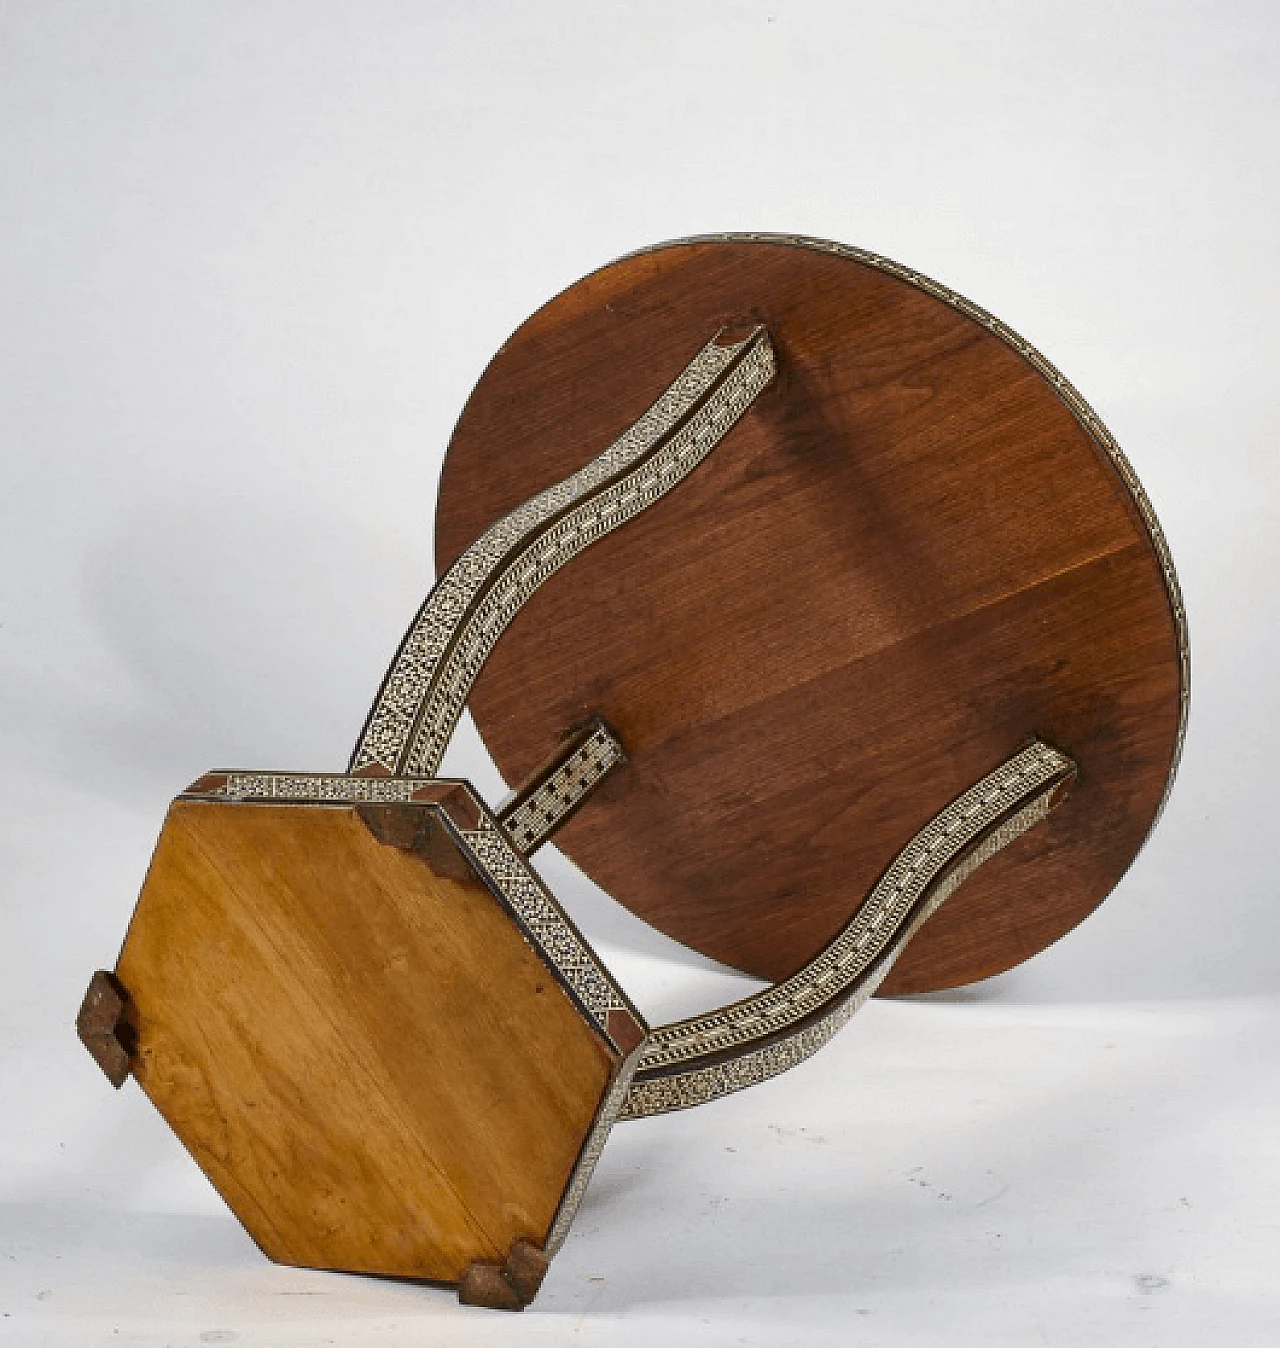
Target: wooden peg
(102,1029)
(505,1287)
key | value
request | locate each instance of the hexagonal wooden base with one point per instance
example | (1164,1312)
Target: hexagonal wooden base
(354,1037)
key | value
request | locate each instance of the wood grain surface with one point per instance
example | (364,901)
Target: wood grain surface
(365,1057)
(907,559)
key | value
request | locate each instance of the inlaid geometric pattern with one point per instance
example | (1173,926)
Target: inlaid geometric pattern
(536,817)
(792,1020)
(317,786)
(610,1113)
(456,628)
(546,922)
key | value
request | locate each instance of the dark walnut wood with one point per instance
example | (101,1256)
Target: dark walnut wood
(509,1286)
(103,1029)
(907,559)
(355,1041)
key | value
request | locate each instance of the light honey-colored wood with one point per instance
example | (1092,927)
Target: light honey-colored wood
(366,1058)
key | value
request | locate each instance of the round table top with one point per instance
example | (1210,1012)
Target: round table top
(919,548)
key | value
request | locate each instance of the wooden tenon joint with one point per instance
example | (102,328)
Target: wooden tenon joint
(505,1287)
(420,830)
(103,1029)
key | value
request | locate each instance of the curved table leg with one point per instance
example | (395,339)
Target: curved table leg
(423,693)
(707,1056)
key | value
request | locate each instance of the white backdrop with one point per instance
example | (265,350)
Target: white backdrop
(252,258)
